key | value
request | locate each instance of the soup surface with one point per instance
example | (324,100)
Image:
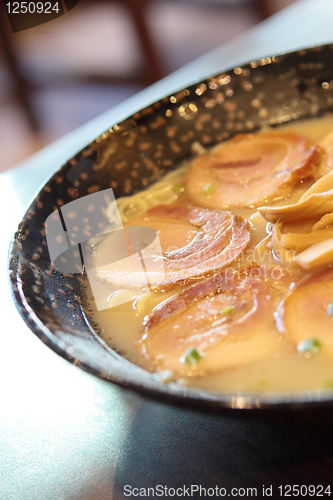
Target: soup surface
(246,299)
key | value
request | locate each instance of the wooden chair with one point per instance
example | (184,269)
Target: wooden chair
(23,87)
(151,72)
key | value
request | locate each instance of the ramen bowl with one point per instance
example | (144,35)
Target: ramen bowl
(130,156)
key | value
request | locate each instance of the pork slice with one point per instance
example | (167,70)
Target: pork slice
(251,169)
(194,241)
(228,319)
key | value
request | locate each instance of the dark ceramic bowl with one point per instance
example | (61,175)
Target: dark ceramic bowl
(130,156)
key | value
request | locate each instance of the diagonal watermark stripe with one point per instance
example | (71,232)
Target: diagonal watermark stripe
(135,252)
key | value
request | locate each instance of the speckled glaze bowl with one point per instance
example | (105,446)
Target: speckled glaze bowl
(128,157)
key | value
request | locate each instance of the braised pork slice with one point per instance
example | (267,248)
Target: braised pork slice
(221,322)
(307,314)
(193,242)
(250,169)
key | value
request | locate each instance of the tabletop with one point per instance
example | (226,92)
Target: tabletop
(64,434)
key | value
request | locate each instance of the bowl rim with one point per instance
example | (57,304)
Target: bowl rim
(148,384)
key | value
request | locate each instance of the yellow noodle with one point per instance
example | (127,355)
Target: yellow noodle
(326,220)
(300,242)
(316,204)
(317,255)
(285,254)
(321,186)
(136,204)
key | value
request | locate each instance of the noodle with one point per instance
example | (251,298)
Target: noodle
(161,192)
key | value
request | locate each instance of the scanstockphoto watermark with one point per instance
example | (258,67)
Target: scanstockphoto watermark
(193,490)
(134,252)
(198,491)
(72,231)
(264,257)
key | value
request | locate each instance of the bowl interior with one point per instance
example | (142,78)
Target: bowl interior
(131,155)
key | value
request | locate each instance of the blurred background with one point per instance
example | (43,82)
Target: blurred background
(57,76)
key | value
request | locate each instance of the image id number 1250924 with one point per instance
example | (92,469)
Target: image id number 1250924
(32,7)
(296,490)
(29,14)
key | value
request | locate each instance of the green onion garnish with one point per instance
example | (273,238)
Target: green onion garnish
(207,189)
(263,383)
(178,189)
(329,309)
(227,309)
(192,356)
(329,383)
(311,346)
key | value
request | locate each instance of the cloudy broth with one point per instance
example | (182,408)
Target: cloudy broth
(286,369)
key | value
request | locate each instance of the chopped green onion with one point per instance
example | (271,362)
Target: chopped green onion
(263,383)
(178,189)
(207,189)
(329,309)
(311,346)
(227,309)
(192,356)
(329,383)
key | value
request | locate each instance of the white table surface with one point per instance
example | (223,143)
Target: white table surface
(64,433)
